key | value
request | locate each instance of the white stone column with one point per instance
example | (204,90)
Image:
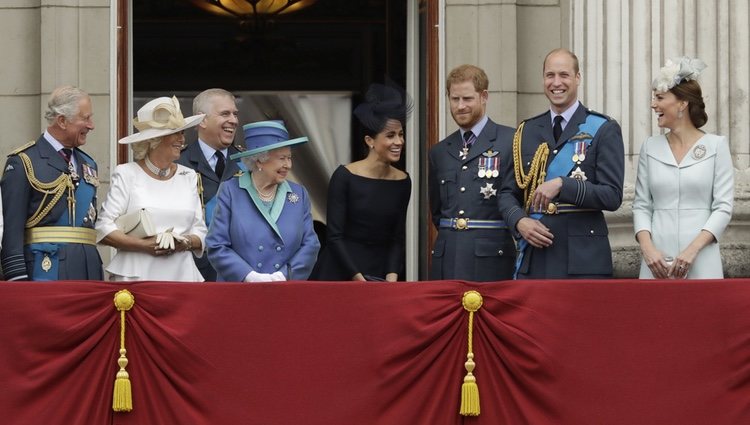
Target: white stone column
(622,44)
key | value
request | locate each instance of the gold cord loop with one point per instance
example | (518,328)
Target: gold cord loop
(537,171)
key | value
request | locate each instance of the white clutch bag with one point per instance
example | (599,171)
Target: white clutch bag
(137,223)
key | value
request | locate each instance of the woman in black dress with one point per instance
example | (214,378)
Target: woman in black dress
(368,199)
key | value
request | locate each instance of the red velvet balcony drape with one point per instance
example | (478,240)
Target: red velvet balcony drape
(558,352)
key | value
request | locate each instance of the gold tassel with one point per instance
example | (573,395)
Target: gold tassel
(122,398)
(472,301)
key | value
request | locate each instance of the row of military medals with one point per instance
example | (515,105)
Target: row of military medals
(578,157)
(488,167)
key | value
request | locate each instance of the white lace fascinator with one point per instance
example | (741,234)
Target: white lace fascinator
(676,71)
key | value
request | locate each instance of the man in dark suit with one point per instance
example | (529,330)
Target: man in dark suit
(568,166)
(209,155)
(49,198)
(473,243)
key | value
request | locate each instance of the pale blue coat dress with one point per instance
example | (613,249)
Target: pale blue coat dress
(676,201)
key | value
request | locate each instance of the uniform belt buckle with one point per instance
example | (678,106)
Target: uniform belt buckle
(551,209)
(461,224)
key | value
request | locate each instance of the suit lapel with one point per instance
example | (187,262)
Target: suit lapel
(200,163)
(454,144)
(54,159)
(484,141)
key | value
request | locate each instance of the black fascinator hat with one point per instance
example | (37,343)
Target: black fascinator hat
(383,102)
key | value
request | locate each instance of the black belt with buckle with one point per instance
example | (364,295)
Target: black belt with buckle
(470,223)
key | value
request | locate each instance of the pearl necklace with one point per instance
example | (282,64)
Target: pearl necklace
(264,196)
(161,172)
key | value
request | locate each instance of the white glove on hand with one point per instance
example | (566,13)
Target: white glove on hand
(254,276)
(165,240)
(278,277)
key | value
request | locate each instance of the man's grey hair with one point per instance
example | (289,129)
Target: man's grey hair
(202,102)
(64,101)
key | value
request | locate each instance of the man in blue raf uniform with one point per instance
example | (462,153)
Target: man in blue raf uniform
(473,243)
(49,194)
(568,166)
(208,155)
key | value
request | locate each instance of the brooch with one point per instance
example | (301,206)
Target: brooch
(578,174)
(488,191)
(293,198)
(699,151)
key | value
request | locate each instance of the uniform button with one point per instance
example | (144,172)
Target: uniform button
(260,248)
(528,163)
(278,248)
(461,212)
(463,189)
(85,219)
(464,167)
(432,252)
(442,181)
(277,266)
(592,232)
(554,151)
(260,265)
(500,252)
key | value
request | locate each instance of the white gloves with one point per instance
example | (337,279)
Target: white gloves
(166,239)
(254,276)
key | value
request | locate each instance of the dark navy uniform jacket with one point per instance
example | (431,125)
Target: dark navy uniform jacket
(455,192)
(21,201)
(193,157)
(581,244)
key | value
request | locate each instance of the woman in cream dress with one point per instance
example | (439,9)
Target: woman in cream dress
(166,190)
(685,183)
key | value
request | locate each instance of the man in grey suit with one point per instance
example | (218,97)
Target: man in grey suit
(568,166)
(209,155)
(473,243)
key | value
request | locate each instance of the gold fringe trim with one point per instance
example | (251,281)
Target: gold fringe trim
(122,398)
(472,302)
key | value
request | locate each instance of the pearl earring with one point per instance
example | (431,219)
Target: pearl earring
(371,146)
(679,114)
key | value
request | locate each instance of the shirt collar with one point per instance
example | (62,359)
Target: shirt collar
(478,127)
(208,151)
(567,114)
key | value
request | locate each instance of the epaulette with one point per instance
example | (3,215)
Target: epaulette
(606,117)
(22,148)
(537,116)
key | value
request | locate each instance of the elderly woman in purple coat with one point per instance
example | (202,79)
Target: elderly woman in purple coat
(262,227)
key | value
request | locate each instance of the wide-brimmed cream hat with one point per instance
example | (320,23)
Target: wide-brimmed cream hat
(160,117)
